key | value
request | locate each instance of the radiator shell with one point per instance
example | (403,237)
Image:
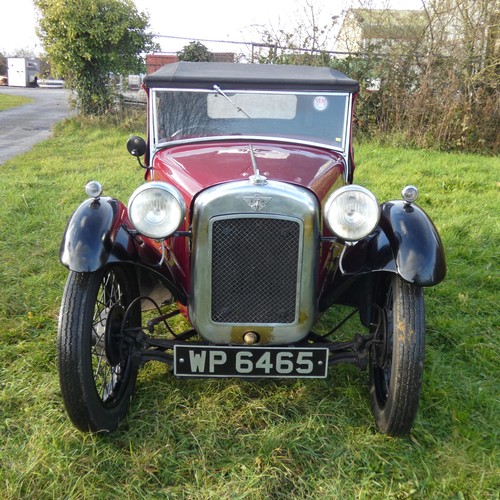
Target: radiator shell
(254,262)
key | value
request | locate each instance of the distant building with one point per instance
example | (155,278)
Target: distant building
(22,71)
(156,61)
(223,57)
(364,29)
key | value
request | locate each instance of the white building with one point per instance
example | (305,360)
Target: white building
(22,71)
(372,29)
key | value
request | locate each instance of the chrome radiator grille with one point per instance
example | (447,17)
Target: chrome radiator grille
(255,266)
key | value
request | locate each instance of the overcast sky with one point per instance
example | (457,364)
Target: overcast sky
(232,20)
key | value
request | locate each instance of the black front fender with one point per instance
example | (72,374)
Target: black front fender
(95,236)
(406,243)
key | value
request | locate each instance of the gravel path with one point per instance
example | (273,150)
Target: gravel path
(22,127)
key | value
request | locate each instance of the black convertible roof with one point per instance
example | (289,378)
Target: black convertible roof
(204,75)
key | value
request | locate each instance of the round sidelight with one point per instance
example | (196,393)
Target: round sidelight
(409,194)
(352,212)
(93,189)
(156,210)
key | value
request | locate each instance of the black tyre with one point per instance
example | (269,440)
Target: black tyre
(97,371)
(397,357)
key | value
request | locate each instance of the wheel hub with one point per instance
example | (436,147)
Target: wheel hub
(115,346)
(381,339)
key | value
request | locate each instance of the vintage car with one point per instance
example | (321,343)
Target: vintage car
(250,226)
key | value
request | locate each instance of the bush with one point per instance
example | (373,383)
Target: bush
(434,106)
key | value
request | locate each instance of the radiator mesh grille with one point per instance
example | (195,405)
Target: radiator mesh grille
(254,270)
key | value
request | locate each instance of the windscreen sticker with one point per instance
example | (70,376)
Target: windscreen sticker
(320,103)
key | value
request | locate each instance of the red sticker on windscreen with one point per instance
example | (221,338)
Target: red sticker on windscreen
(320,103)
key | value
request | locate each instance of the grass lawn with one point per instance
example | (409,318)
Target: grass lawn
(12,101)
(234,439)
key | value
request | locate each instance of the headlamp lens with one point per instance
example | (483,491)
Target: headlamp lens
(156,210)
(352,212)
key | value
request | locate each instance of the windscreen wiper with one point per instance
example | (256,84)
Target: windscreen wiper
(218,90)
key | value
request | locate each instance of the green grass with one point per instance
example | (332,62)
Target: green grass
(12,101)
(230,439)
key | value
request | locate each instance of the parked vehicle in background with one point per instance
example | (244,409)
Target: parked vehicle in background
(250,221)
(50,83)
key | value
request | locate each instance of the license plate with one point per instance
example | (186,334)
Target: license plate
(250,362)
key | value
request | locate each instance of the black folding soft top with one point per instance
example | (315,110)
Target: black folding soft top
(204,75)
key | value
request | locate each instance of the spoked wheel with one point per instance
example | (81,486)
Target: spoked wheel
(397,357)
(97,372)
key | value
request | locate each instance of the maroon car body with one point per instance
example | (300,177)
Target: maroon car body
(185,167)
(250,222)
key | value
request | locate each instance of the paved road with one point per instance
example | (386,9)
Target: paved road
(22,127)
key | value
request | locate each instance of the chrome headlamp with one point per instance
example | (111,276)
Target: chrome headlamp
(156,210)
(352,212)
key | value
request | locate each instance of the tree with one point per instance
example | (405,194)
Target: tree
(88,40)
(195,52)
(3,64)
(306,44)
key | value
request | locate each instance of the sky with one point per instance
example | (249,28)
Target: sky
(231,20)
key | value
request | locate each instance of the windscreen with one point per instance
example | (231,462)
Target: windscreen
(319,118)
